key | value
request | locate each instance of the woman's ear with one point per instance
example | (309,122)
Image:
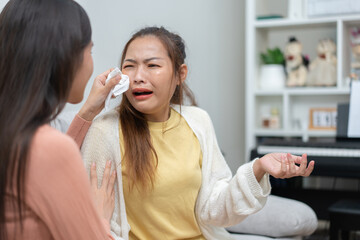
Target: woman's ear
(183,73)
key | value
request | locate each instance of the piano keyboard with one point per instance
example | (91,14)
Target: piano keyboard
(310,151)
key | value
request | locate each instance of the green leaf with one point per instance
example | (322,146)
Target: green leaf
(272,56)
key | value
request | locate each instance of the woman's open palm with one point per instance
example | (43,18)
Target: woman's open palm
(285,165)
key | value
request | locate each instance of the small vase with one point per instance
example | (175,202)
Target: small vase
(272,76)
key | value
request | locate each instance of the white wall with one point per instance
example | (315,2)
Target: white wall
(214,34)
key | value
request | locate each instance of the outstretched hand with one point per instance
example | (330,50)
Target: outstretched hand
(283,165)
(105,194)
(96,99)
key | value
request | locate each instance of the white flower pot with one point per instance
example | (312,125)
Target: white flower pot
(272,76)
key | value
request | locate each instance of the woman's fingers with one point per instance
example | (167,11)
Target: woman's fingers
(283,166)
(298,166)
(93,176)
(108,180)
(104,196)
(286,165)
(106,177)
(305,169)
(298,159)
(303,164)
(112,82)
(103,76)
(292,167)
(309,169)
(110,187)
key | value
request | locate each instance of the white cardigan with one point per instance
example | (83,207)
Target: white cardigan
(223,200)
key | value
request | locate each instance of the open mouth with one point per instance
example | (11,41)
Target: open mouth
(142,93)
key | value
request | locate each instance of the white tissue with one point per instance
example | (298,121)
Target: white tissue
(119,88)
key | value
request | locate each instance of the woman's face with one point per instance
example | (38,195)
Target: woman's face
(152,80)
(82,76)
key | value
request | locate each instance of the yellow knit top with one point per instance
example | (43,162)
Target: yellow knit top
(168,210)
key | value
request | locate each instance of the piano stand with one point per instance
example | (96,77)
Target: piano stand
(344,217)
(318,199)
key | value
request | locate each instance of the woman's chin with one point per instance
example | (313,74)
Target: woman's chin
(75,100)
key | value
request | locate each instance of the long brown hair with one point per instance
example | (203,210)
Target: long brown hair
(41,46)
(139,151)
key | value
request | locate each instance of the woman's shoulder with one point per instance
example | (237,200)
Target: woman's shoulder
(193,114)
(191,111)
(48,136)
(106,121)
(107,118)
(104,126)
(50,143)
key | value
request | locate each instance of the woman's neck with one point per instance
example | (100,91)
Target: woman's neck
(160,116)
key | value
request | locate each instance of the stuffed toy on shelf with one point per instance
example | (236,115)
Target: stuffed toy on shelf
(322,70)
(296,64)
(355,50)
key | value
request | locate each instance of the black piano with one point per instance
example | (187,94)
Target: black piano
(333,159)
(339,159)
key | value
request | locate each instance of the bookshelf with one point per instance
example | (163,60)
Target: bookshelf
(293,104)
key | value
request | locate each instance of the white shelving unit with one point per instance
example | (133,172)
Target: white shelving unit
(293,103)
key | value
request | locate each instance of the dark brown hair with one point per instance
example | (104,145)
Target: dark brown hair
(139,151)
(41,46)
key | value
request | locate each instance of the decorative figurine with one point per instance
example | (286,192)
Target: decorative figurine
(295,64)
(322,71)
(355,49)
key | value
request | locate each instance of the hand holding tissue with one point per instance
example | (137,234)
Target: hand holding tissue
(121,87)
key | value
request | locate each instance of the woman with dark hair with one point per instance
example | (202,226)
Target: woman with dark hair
(45,61)
(173,182)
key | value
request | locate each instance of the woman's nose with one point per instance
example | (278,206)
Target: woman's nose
(139,75)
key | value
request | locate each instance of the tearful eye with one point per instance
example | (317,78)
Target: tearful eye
(127,66)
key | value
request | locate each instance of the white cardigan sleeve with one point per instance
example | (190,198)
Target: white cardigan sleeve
(224,200)
(98,147)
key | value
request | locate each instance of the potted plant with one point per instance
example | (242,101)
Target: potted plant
(272,73)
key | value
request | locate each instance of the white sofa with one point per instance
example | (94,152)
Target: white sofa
(281,218)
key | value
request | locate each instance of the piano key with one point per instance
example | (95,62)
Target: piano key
(310,151)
